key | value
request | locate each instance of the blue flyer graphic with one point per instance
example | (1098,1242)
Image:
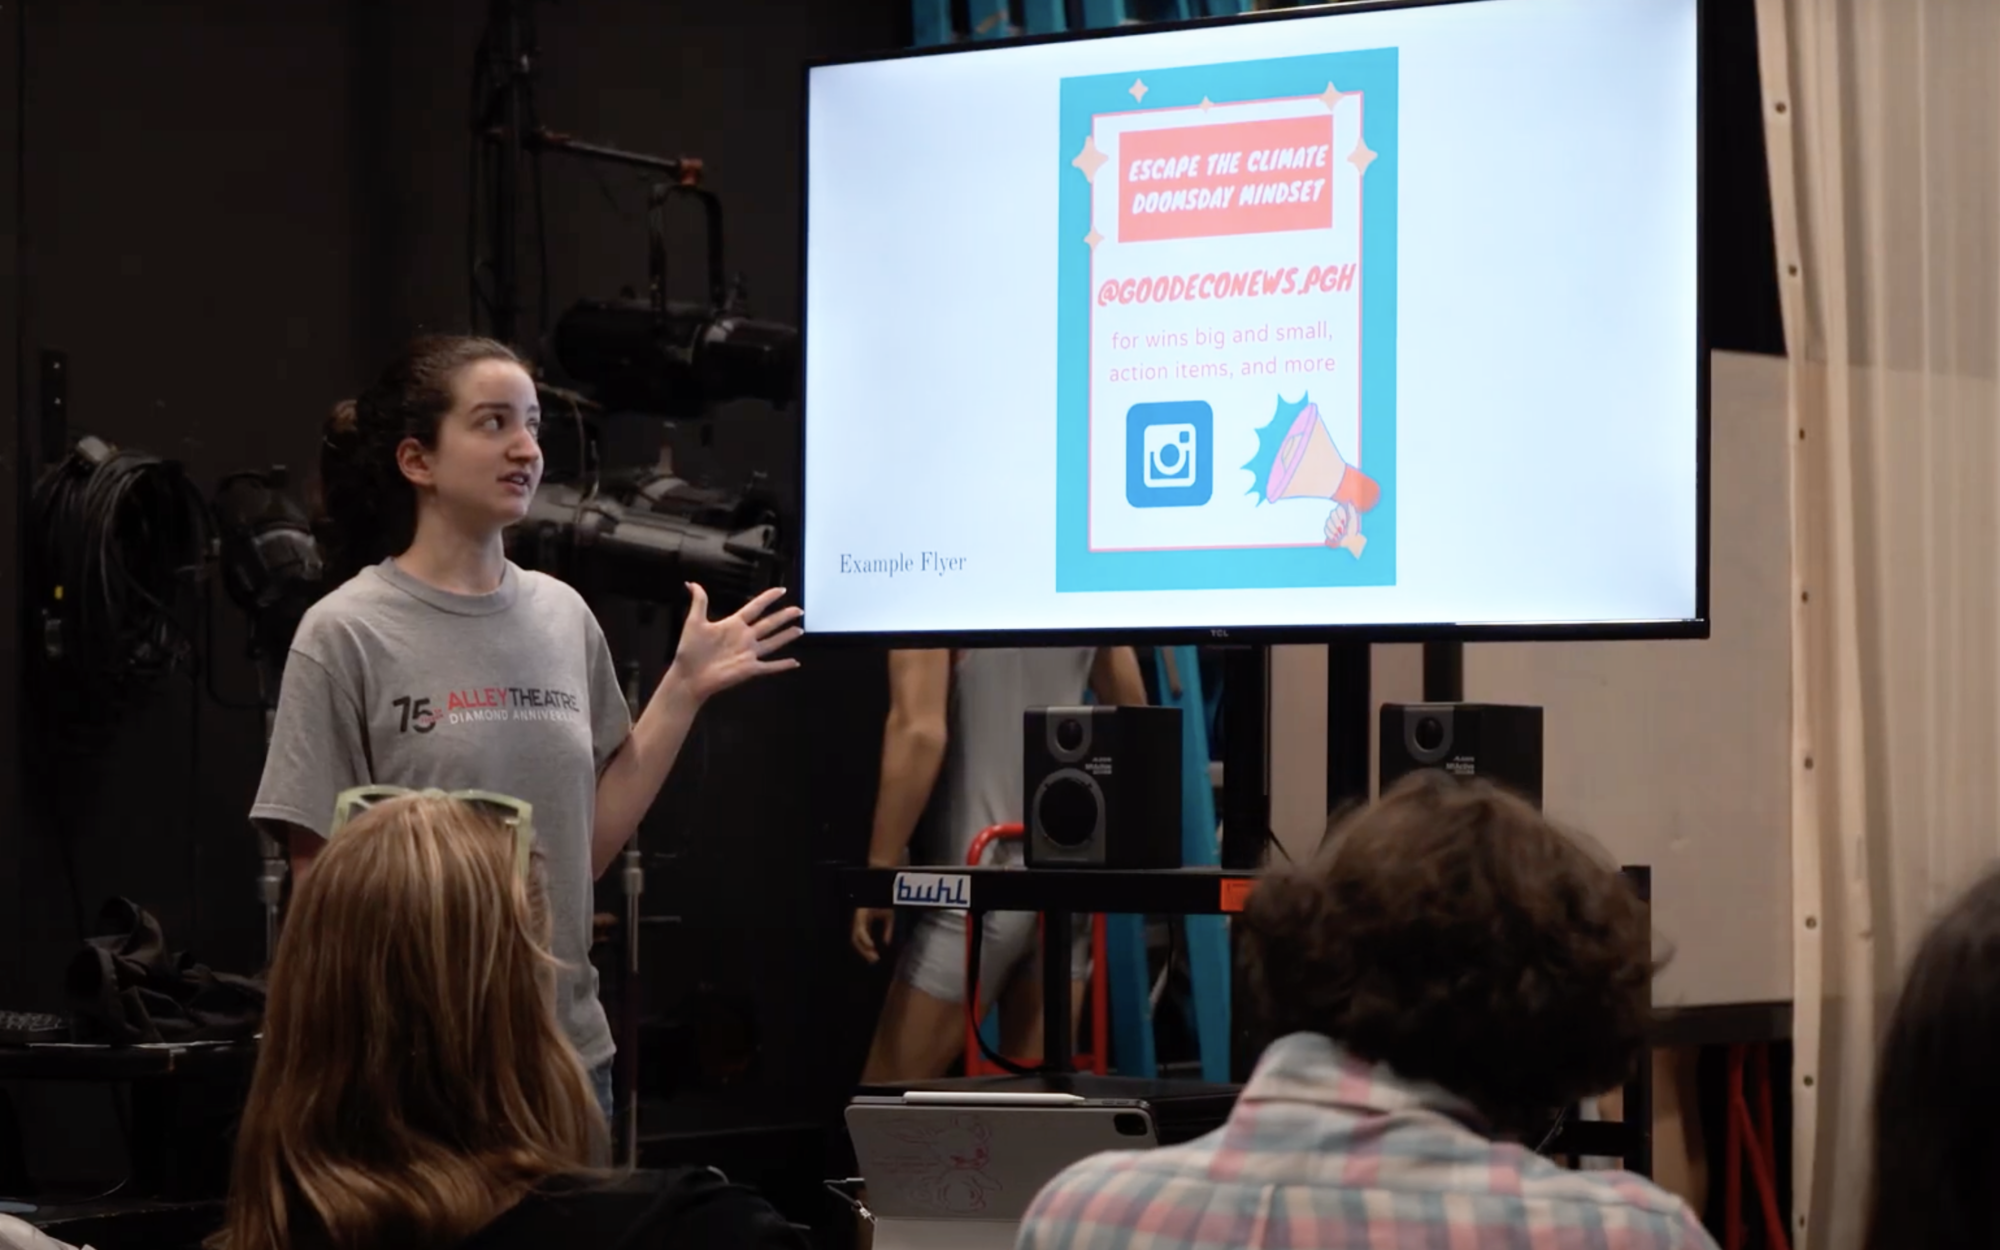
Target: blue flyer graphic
(1226,407)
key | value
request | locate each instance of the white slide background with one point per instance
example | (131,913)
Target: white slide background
(1671,754)
(1545,335)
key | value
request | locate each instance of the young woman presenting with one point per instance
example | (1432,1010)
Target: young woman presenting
(438,663)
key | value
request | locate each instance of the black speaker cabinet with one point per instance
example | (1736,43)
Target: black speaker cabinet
(1500,742)
(1103,787)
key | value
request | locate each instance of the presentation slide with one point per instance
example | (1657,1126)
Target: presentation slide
(1372,318)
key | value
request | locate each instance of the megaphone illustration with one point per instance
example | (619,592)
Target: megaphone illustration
(1309,466)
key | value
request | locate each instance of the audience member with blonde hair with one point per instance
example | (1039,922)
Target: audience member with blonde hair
(414,1089)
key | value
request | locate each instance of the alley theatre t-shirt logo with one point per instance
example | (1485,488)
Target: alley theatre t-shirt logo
(486,703)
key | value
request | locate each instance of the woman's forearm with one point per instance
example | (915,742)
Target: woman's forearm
(637,770)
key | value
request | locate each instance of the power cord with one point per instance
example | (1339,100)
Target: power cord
(120,541)
(976,931)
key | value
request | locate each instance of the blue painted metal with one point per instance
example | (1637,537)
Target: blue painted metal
(1098,14)
(1044,17)
(1128,979)
(1207,936)
(988,19)
(930,22)
(1129,992)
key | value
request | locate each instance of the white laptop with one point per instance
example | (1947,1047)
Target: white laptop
(957,1171)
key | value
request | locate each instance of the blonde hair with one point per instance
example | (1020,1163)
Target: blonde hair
(413,1083)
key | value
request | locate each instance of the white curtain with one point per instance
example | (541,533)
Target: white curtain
(1882,119)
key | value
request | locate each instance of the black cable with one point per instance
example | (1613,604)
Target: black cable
(532,119)
(1553,1133)
(192,815)
(542,306)
(481,308)
(1271,836)
(206,659)
(622,211)
(71,877)
(976,932)
(43,1204)
(120,540)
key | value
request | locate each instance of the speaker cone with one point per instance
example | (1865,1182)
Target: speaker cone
(1069,810)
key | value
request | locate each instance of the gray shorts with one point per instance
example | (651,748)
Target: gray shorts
(934,951)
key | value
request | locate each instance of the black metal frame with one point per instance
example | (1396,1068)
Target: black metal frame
(1058,894)
(1630,1138)
(1696,627)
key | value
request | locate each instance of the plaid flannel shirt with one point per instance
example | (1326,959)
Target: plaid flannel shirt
(1324,1152)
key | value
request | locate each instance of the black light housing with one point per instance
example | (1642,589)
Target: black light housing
(639,537)
(680,363)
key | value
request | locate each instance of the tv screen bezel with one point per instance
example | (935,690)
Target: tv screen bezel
(1696,627)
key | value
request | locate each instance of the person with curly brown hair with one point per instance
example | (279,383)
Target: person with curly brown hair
(1447,974)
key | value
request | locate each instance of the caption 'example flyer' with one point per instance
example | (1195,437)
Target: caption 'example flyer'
(1226,356)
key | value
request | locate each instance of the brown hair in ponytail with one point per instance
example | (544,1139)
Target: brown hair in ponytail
(367,509)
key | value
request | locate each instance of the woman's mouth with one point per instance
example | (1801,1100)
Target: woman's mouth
(519,481)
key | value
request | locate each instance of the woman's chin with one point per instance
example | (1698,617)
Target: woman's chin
(515,508)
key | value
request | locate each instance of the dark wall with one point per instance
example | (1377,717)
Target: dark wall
(192,246)
(12,398)
(234,212)
(1740,261)
(188,243)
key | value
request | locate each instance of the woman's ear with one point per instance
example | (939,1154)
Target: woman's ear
(414,459)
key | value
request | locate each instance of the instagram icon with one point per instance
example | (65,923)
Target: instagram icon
(1169,454)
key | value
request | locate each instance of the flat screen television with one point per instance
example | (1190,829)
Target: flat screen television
(1375,320)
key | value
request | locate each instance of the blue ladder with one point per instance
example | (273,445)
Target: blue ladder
(1129,983)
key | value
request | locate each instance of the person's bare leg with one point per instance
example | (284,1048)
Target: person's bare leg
(1021,1014)
(1680,1162)
(916,1038)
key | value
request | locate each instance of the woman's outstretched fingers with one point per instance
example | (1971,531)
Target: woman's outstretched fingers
(766,646)
(779,620)
(761,604)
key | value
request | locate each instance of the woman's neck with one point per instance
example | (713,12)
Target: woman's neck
(450,558)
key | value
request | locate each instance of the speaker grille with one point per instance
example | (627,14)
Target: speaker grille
(1069,811)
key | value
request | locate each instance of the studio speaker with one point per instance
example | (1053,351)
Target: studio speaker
(1499,742)
(1103,787)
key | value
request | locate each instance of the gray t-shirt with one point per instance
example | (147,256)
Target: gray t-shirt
(981,782)
(392,681)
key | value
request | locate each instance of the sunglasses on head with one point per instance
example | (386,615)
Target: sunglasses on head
(516,814)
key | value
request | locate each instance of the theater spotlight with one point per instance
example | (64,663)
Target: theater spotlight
(680,362)
(271,566)
(677,359)
(641,537)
